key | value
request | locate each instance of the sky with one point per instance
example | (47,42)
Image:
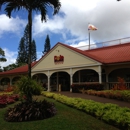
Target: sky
(69,26)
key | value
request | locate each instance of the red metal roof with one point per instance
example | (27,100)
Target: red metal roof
(19,70)
(106,55)
(112,54)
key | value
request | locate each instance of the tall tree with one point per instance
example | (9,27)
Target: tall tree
(22,55)
(12,66)
(23,50)
(9,67)
(34,52)
(30,6)
(26,42)
(47,45)
(2,55)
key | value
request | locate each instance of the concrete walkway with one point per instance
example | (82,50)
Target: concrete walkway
(95,98)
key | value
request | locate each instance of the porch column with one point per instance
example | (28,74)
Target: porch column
(100,74)
(49,84)
(107,84)
(57,81)
(71,79)
(11,81)
(79,76)
(49,89)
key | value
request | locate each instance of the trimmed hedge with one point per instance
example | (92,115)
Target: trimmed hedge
(109,113)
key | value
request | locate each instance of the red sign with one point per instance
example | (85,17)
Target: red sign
(59,58)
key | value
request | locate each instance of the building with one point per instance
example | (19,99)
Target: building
(64,65)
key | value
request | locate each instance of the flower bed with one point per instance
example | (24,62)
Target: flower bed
(78,87)
(123,95)
(7,99)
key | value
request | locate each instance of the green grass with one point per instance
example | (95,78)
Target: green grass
(67,118)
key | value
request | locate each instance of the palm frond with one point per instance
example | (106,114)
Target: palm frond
(10,7)
(52,3)
(2,2)
(41,6)
(34,5)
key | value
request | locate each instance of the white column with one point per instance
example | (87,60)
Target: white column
(100,74)
(48,81)
(79,76)
(107,85)
(57,81)
(11,81)
(71,79)
(49,84)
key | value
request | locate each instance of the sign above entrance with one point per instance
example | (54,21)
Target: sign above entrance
(59,59)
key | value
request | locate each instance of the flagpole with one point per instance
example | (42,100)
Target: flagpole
(90,27)
(89,38)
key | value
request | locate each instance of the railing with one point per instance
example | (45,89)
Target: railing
(105,44)
(110,85)
(3,87)
(107,86)
(85,83)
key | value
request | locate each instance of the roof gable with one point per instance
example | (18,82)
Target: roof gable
(72,57)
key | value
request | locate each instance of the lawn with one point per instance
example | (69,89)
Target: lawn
(67,118)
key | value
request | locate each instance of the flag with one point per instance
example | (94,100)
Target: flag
(91,27)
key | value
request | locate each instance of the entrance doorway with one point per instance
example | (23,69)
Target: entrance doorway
(60,79)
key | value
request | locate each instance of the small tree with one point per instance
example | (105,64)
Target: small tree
(47,45)
(28,87)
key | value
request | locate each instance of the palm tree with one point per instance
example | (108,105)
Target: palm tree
(30,6)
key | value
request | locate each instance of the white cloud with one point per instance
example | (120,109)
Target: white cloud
(14,25)
(82,5)
(112,19)
(10,56)
(53,25)
(39,55)
(84,45)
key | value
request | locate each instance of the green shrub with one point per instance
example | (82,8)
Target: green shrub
(110,113)
(28,87)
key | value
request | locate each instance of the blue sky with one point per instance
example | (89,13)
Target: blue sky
(69,26)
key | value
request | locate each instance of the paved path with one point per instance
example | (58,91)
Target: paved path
(95,98)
